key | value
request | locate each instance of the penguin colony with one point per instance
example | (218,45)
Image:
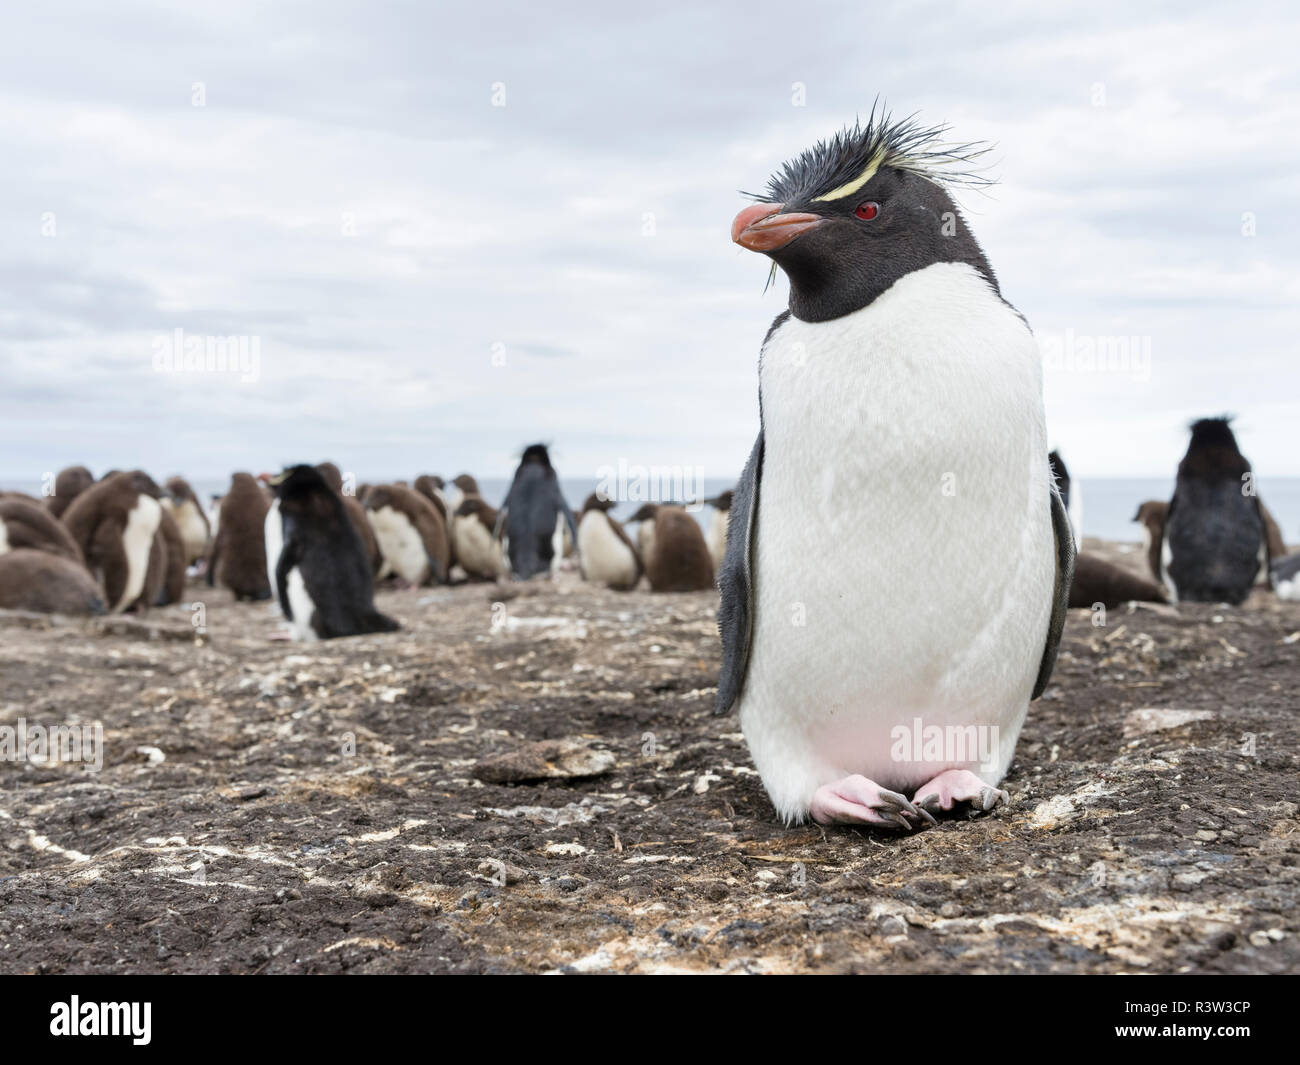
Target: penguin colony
(896,352)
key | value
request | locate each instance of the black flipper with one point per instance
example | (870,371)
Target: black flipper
(288,559)
(1065,552)
(735,582)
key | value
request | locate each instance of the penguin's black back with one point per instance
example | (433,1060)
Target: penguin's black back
(532,509)
(1214,530)
(321,541)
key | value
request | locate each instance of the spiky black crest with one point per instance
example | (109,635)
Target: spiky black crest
(1213,430)
(905,144)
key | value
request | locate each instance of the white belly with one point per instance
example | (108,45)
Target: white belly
(476,551)
(401,545)
(137,539)
(301,605)
(904,559)
(273,534)
(604,557)
(194,534)
(4,537)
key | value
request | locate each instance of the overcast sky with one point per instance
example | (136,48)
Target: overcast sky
(435,280)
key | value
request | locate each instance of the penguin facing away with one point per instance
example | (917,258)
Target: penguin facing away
(677,557)
(323,575)
(69,484)
(237,558)
(114,523)
(533,506)
(873,686)
(1214,536)
(356,514)
(607,555)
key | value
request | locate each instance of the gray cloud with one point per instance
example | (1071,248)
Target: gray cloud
(350,196)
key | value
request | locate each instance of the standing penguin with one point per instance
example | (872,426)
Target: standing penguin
(238,555)
(474,544)
(191,522)
(937,592)
(533,507)
(165,583)
(607,554)
(1214,537)
(114,523)
(717,535)
(323,576)
(675,555)
(411,534)
(356,514)
(1151,515)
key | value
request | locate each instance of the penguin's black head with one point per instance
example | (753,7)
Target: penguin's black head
(298,481)
(722,501)
(852,215)
(536,453)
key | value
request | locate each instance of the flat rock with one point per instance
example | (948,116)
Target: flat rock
(545,760)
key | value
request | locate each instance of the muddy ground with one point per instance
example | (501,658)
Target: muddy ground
(265,807)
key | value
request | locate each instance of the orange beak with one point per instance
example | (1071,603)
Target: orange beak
(764,228)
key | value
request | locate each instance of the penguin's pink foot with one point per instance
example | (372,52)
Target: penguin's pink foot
(281,634)
(856,800)
(954,786)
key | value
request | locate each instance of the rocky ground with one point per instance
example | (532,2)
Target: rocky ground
(373,804)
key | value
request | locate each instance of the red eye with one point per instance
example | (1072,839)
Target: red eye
(867,210)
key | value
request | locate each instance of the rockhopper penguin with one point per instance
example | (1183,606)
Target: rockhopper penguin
(530,513)
(900,404)
(323,575)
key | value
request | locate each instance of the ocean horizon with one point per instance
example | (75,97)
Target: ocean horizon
(1109,503)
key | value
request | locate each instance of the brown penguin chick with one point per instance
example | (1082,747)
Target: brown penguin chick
(1097,581)
(411,533)
(47,584)
(114,522)
(69,484)
(605,554)
(192,524)
(432,490)
(1152,516)
(475,545)
(167,564)
(467,485)
(677,559)
(28,524)
(356,514)
(238,556)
